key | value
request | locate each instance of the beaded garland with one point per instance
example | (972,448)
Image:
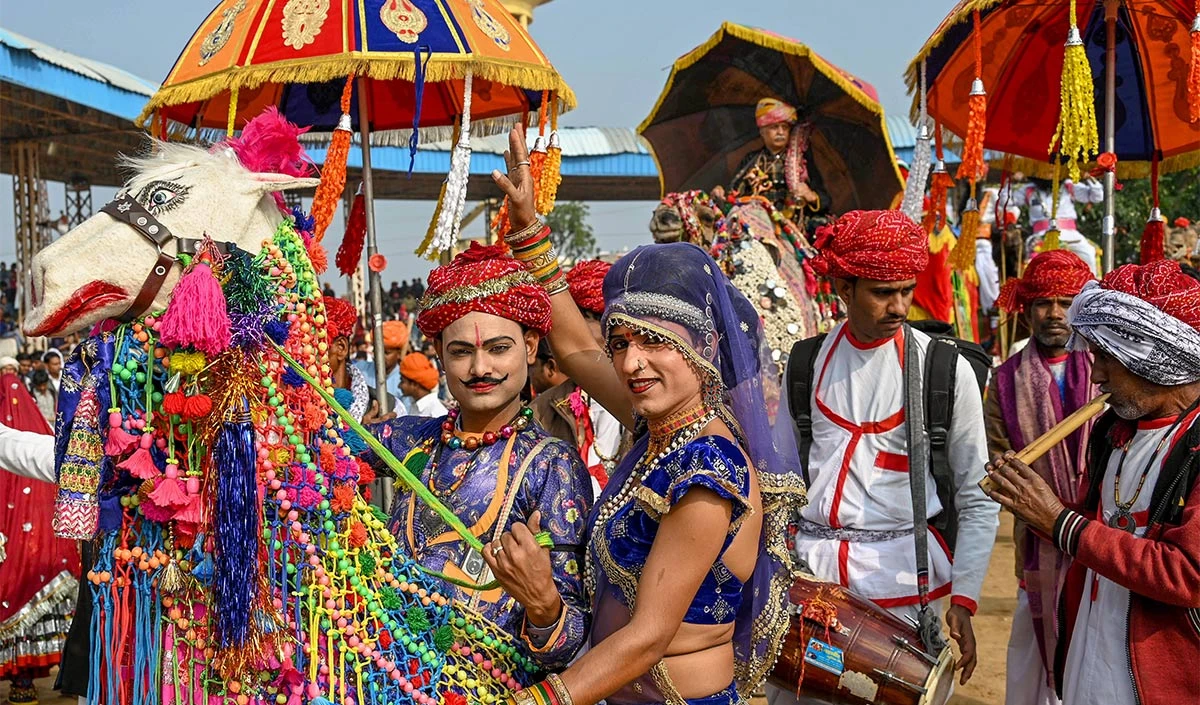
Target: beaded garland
(317,604)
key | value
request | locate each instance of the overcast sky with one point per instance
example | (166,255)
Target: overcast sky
(616,55)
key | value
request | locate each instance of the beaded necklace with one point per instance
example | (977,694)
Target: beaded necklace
(680,430)
(519,424)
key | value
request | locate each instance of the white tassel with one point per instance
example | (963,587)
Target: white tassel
(454,202)
(918,171)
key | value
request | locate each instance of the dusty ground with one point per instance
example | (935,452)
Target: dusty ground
(992,624)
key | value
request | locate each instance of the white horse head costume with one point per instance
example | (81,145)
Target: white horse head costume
(97,270)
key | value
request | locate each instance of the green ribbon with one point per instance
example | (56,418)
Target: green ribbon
(406,476)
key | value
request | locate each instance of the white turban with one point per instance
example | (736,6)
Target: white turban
(1150,343)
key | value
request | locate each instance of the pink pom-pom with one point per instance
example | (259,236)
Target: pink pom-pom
(119,441)
(155,513)
(140,465)
(196,315)
(309,498)
(169,493)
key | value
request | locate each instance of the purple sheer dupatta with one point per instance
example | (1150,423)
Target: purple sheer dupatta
(678,293)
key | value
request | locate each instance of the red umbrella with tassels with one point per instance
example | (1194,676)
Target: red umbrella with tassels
(993,65)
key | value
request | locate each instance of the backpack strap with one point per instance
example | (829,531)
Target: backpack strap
(941,372)
(800,371)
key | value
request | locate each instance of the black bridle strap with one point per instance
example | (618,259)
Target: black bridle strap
(125,209)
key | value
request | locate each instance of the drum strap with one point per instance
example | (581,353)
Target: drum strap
(930,626)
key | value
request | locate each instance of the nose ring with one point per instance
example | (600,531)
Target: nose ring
(641,365)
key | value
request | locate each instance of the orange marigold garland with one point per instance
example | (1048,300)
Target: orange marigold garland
(973,166)
(333,177)
(939,188)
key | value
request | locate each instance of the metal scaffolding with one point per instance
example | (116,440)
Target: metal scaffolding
(31,210)
(79,200)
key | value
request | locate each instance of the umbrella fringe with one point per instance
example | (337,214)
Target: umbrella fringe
(440,69)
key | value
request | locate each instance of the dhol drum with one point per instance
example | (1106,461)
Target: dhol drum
(844,650)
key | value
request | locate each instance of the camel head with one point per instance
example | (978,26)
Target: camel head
(690,216)
(95,271)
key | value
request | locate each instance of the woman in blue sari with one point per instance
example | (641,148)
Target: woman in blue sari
(686,562)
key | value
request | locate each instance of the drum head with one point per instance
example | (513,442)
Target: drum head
(941,680)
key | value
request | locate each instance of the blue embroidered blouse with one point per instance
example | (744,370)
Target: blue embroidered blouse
(621,544)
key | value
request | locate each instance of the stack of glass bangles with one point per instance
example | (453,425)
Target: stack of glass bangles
(551,691)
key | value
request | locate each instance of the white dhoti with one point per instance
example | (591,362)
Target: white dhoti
(1026,681)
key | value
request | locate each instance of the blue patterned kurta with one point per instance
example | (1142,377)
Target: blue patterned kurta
(555,482)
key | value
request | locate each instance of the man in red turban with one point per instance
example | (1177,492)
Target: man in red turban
(565,410)
(1033,391)
(489,461)
(1131,592)
(349,383)
(846,391)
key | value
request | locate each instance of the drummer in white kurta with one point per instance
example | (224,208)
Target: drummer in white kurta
(857,528)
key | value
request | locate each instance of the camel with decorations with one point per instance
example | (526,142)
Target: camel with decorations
(762,253)
(198,449)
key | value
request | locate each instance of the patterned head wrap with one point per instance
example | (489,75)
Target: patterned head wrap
(1145,316)
(1050,274)
(340,318)
(418,368)
(586,282)
(483,279)
(771,111)
(884,246)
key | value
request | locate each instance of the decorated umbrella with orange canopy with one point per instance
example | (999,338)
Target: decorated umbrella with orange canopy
(410,68)
(995,66)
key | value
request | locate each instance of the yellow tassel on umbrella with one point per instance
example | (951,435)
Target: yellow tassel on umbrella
(1077,137)
(963,256)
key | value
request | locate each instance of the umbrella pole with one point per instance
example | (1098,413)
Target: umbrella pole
(375,296)
(1110,139)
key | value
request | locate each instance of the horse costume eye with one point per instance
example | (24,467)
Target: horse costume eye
(162,196)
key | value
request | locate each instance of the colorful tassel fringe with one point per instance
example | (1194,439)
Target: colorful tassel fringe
(963,256)
(333,176)
(448,217)
(918,170)
(1077,136)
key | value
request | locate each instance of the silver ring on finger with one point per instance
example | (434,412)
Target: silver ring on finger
(496,550)
(518,165)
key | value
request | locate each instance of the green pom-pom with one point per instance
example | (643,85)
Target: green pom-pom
(417,620)
(390,598)
(379,513)
(366,564)
(443,638)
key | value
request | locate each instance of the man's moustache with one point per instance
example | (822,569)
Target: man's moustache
(485,380)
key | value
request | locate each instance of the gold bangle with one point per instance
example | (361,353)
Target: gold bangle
(525,233)
(560,689)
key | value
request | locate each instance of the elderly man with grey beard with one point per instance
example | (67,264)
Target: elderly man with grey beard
(1130,605)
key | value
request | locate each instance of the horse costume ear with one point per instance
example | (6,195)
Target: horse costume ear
(275,183)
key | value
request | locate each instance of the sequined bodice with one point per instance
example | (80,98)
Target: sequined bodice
(626,525)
